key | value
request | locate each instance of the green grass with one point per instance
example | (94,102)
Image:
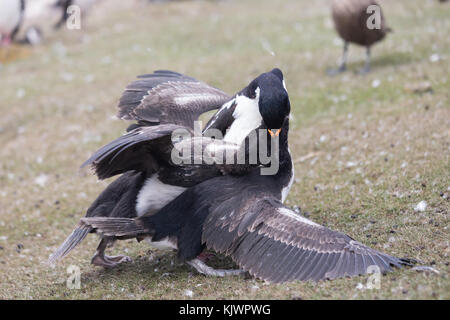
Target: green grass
(365,156)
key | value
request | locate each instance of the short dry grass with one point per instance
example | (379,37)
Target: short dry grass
(368,149)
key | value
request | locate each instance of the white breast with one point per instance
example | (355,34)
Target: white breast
(9,15)
(155,194)
(246,119)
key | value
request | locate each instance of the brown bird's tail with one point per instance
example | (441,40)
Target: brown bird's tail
(70,243)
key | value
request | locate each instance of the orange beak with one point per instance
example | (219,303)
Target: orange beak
(274,133)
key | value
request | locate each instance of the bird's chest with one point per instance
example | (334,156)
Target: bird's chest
(9,15)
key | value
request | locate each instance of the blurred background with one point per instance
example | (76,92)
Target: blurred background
(368,148)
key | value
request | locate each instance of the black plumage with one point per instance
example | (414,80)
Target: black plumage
(117,200)
(161,103)
(144,150)
(243,217)
(127,152)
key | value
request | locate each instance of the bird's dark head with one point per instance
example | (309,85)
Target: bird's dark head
(274,105)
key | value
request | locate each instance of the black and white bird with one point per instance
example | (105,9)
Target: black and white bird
(351,19)
(11,16)
(244,217)
(38,20)
(160,103)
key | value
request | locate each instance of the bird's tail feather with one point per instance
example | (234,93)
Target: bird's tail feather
(70,243)
(117,227)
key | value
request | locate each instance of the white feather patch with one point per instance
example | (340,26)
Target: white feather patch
(291,214)
(284,85)
(155,194)
(246,118)
(189,98)
(164,244)
(9,16)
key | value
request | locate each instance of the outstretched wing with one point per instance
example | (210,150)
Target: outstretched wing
(192,159)
(134,150)
(276,244)
(169,97)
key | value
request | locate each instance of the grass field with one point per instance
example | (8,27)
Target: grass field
(368,148)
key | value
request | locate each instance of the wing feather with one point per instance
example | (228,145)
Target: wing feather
(276,244)
(169,97)
(132,151)
(316,272)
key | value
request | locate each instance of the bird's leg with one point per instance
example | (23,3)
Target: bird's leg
(6,40)
(366,68)
(102,260)
(202,268)
(343,65)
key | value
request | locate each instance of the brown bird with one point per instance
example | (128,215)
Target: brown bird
(361,22)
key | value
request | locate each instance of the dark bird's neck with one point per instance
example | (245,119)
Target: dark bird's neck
(285,160)
(280,181)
